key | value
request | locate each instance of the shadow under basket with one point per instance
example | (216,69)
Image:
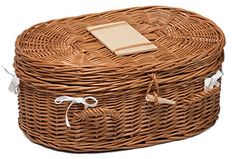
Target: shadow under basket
(139,99)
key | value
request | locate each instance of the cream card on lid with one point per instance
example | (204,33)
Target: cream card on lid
(121,38)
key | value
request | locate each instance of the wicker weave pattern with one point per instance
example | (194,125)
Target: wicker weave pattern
(60,57)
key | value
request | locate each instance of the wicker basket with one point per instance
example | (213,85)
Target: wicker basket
(61,58)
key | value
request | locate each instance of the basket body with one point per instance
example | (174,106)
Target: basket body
(59,57)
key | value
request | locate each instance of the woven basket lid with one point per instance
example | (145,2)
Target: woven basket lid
(179,35)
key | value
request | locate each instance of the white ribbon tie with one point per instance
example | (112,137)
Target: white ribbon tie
(73,100)
(15,81)
(212,81)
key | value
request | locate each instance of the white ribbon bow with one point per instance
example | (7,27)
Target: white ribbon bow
(15,81)
(73,100)
(212,81)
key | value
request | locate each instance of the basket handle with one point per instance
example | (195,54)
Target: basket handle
(79,100)
(153,91)
(86,112)
(95,112)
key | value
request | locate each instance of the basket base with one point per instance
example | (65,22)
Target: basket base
(53,145)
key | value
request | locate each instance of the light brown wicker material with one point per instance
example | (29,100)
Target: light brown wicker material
(60,57)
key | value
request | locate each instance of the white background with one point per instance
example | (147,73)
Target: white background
(17,15)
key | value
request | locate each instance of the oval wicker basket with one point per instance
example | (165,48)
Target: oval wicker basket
(61,58)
